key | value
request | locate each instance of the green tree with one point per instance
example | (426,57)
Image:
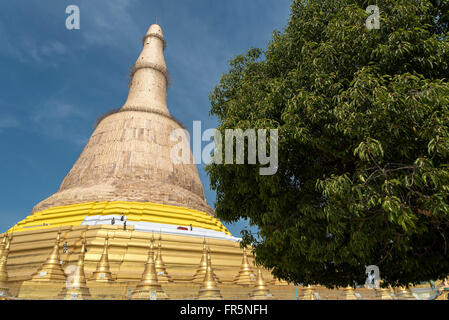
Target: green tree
(363,120)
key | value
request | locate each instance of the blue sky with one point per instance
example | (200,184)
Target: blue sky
(55,82)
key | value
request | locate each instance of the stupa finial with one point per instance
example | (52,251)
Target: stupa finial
(103,273)
(260,290)
(198,277)
(246,274)
(51,270)
(161,270)
(77,289)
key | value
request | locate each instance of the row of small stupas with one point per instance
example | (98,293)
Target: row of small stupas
(50,281)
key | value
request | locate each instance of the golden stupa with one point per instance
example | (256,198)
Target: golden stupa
(123,188)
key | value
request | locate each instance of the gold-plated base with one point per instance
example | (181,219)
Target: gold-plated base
(246,274)
(75,294)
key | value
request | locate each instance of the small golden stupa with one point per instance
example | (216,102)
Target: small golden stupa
(51,270)
(349,293)
(103,273)
(77,288)
(384,293)
(260,290)
(307,293)
(161,270)
(209,289)
(209,262)
(198,277)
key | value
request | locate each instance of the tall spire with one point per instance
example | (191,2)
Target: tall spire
(198,277)
(4,251)
(51,270)
(161,270)
(78,289)
(148,89)
(149,287)
(246,274)
(103,273)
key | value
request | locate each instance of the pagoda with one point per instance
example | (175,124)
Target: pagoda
(122,189)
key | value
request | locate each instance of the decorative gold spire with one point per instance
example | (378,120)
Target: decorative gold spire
(349,293)
(149,287)
(148,88)
(77,289)
(4,251)
(161,270)
(260,290)
(198,277)
(246,274)
(209,289)
(103,273)
(51,270)
(307,293)
(384,293)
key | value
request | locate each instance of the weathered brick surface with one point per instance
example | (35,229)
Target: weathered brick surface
(128,159)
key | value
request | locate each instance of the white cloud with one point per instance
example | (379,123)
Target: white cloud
(56,110)
(27,49)
(53,47)
(108,24)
